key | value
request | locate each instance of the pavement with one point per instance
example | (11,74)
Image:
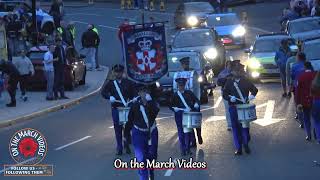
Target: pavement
(37,105)
(81,143)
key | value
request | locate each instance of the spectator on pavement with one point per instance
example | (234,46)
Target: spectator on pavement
(56,11)
(70,35)
(97,49)
(59,66)
(26,69)
(89,40)
(49,71)
(8,68)
(281,59)
(305,98)
(13,29)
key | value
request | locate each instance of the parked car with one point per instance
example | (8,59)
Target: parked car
(75,71)
(192,14)
(200,65)
(228,27)
(202,40)
(16,6)
(304,28)
(261,61)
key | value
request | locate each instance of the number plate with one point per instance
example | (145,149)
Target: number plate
(272,71)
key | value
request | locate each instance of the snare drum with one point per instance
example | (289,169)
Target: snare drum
(246,112)
(123,114)
(191,119)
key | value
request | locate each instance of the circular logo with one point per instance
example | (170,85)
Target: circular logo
(28,146)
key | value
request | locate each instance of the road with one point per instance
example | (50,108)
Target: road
(81,138)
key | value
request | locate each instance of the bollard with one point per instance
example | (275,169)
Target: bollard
(123,4)
(151,7)
(162,7)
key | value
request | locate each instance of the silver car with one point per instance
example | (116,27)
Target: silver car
(304,28)
(203,40)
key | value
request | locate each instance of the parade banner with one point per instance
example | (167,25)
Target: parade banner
(145,52)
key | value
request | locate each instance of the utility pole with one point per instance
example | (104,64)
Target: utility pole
(34,16)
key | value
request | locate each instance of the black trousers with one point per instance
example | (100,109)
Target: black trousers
(23,81)
(58,81)
(13,82)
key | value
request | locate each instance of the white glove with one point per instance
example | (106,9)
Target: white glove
(148,97)
(251,97)
(233,99)
(196,105)
(186,110)
(112,99)
(175,109)
(135,99)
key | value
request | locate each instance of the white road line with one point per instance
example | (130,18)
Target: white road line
(109,27)
(80,22)
(74,142)
(215,118)
(22,163)
(262,105)
(218,102)
(267,119)
(169,171)
(259,29)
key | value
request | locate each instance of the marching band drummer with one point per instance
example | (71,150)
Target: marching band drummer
(142,122)
(118,91)
(184,99)
(231,93)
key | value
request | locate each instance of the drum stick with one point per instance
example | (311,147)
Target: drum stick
(181,109)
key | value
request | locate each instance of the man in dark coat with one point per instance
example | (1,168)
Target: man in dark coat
(59,66)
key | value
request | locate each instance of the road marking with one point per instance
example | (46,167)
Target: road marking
(215,118)
(218,102)
(167,117)
(22,163)
(267,119)
(262,105)
(259,29)
(74,142)
(169,171)
(109,27)
(80,22)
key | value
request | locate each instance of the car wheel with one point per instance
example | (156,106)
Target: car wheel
(83,80)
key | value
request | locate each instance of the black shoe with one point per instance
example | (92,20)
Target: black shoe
(308,138)
(49,99)
(25,98)
(12,104)
(119,153)
(63,97)
(200,141)
(183,153)
(238,153)
(284,95)
(247,149)
(301,126)
(128,150)
(289,95)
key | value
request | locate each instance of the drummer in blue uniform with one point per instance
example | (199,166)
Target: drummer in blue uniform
(185,64)
(142,122)
(184,101)
(238,82)
(119,92)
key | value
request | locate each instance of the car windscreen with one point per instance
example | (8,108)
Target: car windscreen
(267,45)
(304,26)
(222,20)
(312,51)
(198,7)
(35,56)
(174,62)
(193,39)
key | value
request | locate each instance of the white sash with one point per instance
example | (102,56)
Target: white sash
(119,93)
(239,92)
(183,100)
(146,120)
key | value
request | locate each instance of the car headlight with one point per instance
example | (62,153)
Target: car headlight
(158,84)
(255,74)
(239,31)
(211,53)
(254,64)
(192,20)
(200,79)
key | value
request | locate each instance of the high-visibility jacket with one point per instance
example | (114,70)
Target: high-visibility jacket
(60,30)
(95,30)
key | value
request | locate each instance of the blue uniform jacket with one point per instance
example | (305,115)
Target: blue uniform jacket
(281,58)
(297,69)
